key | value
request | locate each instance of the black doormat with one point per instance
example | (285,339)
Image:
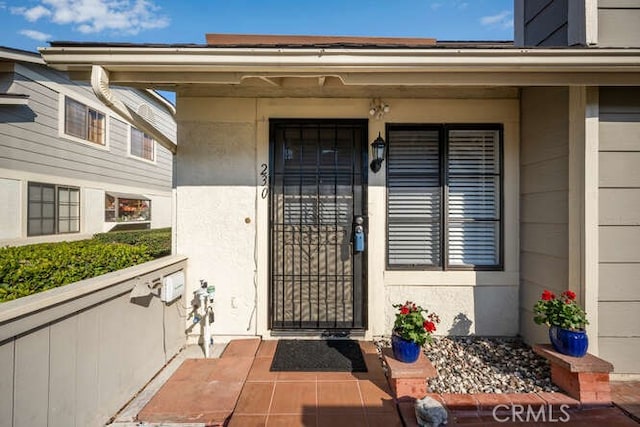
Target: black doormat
(318,356)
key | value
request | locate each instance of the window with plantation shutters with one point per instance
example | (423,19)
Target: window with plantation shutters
(473,208)
(444,201)
(414,197)
(83,122)
(142,145)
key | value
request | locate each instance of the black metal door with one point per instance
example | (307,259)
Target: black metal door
(318,187)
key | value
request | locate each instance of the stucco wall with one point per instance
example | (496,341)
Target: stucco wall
(10,208)
(215,195)
(13,206)
(222,222)
(544,211)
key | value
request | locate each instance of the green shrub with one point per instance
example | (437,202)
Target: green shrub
(25,270)
(158,241)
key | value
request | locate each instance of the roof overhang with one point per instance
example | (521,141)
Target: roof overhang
(18,55)
(163,66)
(13,99)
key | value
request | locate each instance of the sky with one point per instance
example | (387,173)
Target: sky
(29,24)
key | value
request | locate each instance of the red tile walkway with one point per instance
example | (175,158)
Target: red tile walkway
(626,395)
(239,390)
(203,390)
(313,399)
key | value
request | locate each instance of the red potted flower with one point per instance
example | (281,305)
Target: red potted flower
(566,321)
(412,329)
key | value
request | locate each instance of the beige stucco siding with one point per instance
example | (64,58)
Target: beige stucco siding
(223,223)
(216,192)
(543,200)
(619,219)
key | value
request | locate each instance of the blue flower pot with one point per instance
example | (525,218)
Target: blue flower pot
(571,343)
(403,350)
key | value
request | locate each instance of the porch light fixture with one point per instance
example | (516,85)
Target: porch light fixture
(377,152)
(378,108)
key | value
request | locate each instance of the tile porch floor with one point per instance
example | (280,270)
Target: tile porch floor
(239,390)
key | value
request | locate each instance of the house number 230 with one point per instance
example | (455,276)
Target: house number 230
(264,180)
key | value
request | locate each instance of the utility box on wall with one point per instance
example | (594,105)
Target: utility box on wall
(172,287)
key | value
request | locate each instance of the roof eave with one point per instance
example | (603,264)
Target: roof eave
(232,65)
(410,60)
(17,55)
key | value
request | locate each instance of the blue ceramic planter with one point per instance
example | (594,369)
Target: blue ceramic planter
(403,350)
(571,343)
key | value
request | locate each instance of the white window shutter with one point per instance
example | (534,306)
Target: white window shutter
(414,198)
(473,197)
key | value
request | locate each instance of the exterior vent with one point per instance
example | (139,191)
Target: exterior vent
(146,112)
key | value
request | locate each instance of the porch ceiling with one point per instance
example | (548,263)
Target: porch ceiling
(170,67)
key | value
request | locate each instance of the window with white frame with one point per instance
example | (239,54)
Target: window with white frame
(444,195)
(142,145)
(52,209)
(83,122)
(126,208)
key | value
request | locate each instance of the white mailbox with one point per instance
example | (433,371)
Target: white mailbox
(172,286)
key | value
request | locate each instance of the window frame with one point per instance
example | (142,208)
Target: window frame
(116,210)
(62,127)
(69,204)
(130,145)
(56,207)
(443,148)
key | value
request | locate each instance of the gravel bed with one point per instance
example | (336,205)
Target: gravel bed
(485,365)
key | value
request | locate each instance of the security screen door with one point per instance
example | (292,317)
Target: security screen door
(318,189)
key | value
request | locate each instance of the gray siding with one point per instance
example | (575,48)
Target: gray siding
(618,23)
(546,22)
(543,201)
(162,119)
(29,139)
(76,362)
(619,218)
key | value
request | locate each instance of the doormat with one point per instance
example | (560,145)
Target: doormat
(318,356)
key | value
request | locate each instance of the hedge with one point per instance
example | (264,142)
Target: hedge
(25,270)
(157,241)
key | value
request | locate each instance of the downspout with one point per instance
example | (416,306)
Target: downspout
(100,86)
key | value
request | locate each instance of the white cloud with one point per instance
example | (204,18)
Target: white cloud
(36,35)
(95,16)
(450,4)
(503,19)
(35,13)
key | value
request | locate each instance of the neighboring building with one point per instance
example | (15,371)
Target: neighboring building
(69,166)
(508,170)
